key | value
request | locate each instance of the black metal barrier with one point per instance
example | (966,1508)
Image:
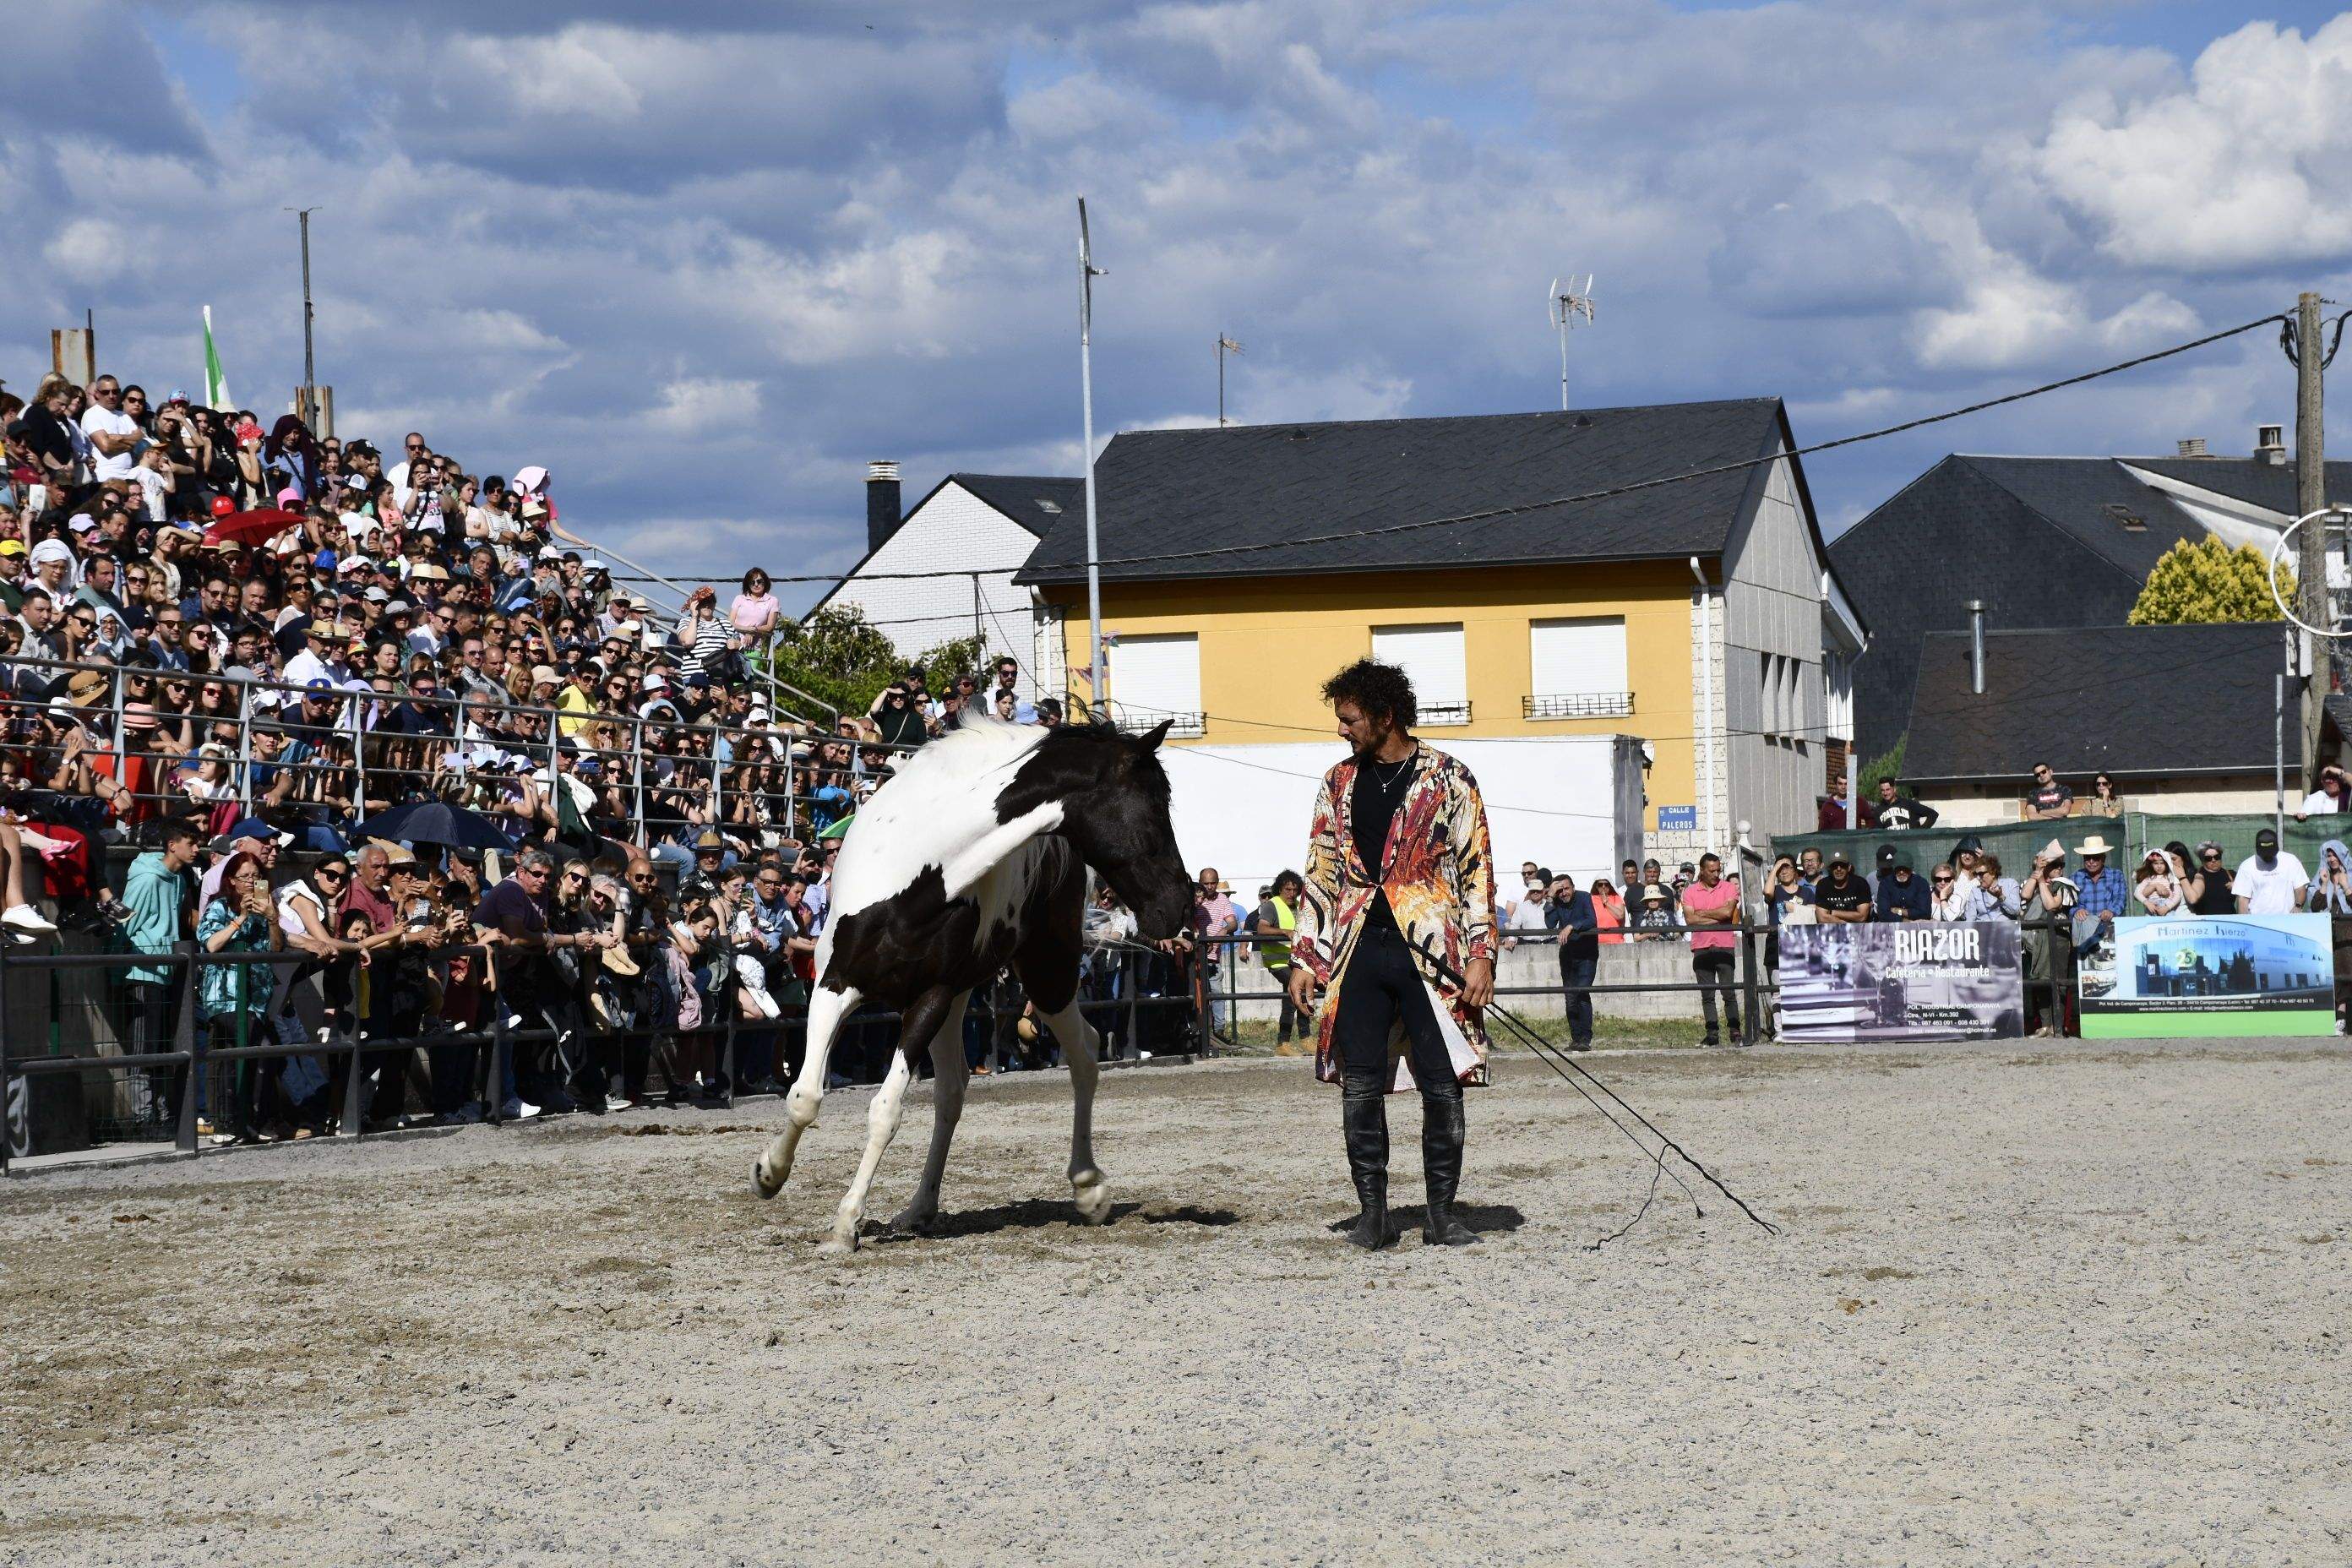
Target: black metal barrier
(1117,997)
(1127,992)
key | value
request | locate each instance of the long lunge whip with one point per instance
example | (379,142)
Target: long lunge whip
(1557,1059)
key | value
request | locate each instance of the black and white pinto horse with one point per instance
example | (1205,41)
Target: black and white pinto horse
(972,857)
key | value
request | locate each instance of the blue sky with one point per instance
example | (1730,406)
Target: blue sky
(704,260)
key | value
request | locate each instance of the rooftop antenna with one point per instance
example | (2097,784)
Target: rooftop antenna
(1225,345)
(1565,305)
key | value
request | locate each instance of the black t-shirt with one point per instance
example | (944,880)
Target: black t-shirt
(1371,806)
(2217,899)
(1903,811)
(2052,796)
(1830,897)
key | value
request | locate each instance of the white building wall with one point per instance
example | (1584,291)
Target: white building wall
(953,530)
(1772,612)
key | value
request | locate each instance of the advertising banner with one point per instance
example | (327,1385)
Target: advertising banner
(1900,981)
(2211,975)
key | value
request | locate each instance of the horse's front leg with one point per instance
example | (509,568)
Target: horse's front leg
(917,1024)
(826,1011)
(1081,1050)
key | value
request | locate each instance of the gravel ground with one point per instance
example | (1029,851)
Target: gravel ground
(2034,1304)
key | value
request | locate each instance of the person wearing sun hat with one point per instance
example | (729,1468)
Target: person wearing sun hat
(2100,889)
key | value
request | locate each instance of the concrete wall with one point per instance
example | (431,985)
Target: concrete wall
(2241,795)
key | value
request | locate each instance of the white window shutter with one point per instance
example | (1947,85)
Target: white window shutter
(1432,657)
(1576,667)
(1157,677)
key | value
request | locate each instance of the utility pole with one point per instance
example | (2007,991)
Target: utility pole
(310,369)
(2312,606)
(1225,345)
(1098,708)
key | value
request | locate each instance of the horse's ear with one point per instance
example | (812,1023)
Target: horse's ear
(1157,733)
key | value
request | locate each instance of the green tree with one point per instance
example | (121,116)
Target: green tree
(2209,582)
(840,658)
(956,656)
(837,656)
(1888,764)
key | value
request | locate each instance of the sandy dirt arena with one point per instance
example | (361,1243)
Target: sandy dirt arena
(2034,1304)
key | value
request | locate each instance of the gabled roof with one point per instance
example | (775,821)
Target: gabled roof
(2270,486)
(2094,500)
(1283,486)
(2154,702)
(1037,504)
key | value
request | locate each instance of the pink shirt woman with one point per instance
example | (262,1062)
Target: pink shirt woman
(754,611)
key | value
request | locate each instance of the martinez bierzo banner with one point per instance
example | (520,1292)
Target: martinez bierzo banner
(2217,974)
(1900,981)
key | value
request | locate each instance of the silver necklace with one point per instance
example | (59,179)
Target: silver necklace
(1402,764)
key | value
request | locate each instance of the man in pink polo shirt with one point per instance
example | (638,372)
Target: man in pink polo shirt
(1710,905)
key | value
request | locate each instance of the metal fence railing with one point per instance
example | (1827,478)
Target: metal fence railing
(145,742)
(1142,1000)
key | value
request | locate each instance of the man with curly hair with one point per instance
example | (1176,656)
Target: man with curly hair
(1396,925)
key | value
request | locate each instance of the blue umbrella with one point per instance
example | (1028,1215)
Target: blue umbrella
(431,822)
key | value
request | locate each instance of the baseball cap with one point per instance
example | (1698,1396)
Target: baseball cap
(254,827)
(2266,839)
(1838,858)
(12,547)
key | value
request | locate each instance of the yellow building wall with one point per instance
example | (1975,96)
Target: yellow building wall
(1267,644)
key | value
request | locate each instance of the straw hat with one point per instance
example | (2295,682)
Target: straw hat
(2095,845)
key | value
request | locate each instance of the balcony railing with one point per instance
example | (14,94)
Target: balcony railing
(1578,705)
(1180,726)
(1445,713)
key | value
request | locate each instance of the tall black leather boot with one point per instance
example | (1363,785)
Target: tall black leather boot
(1364,1115)
(1442,1134)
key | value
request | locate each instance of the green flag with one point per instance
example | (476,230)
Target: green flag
(216,384)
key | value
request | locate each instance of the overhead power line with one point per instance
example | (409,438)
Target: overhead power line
(1610,493)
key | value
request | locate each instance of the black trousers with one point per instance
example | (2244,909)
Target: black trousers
(1382,986)
(1716,967)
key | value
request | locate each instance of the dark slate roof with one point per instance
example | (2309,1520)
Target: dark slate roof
(1172,491)
(2144,701)
(2337,707)
(2088,498)
(2267,485)
(1037,504)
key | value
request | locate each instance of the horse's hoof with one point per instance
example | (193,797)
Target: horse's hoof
(769,1182)
(1090,1191)
(836,1247)
(910,1222)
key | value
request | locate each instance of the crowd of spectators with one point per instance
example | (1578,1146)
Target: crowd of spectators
(221,642)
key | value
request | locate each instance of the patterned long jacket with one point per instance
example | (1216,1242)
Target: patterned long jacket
(1437,873)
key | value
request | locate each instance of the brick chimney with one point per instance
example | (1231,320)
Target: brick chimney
(882,516)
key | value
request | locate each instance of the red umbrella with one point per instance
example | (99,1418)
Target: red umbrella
(257,527)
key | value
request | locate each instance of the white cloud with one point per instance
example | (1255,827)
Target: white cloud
(2252,166)
(706,262)
(704,405)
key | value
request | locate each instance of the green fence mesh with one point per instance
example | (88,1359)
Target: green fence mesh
(2132,834)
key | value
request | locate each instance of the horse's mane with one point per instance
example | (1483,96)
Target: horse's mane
(979,739)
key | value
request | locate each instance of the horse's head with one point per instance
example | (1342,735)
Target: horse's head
(1114,798)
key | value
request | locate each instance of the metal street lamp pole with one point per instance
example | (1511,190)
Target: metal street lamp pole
(1087,273)
(310,366)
